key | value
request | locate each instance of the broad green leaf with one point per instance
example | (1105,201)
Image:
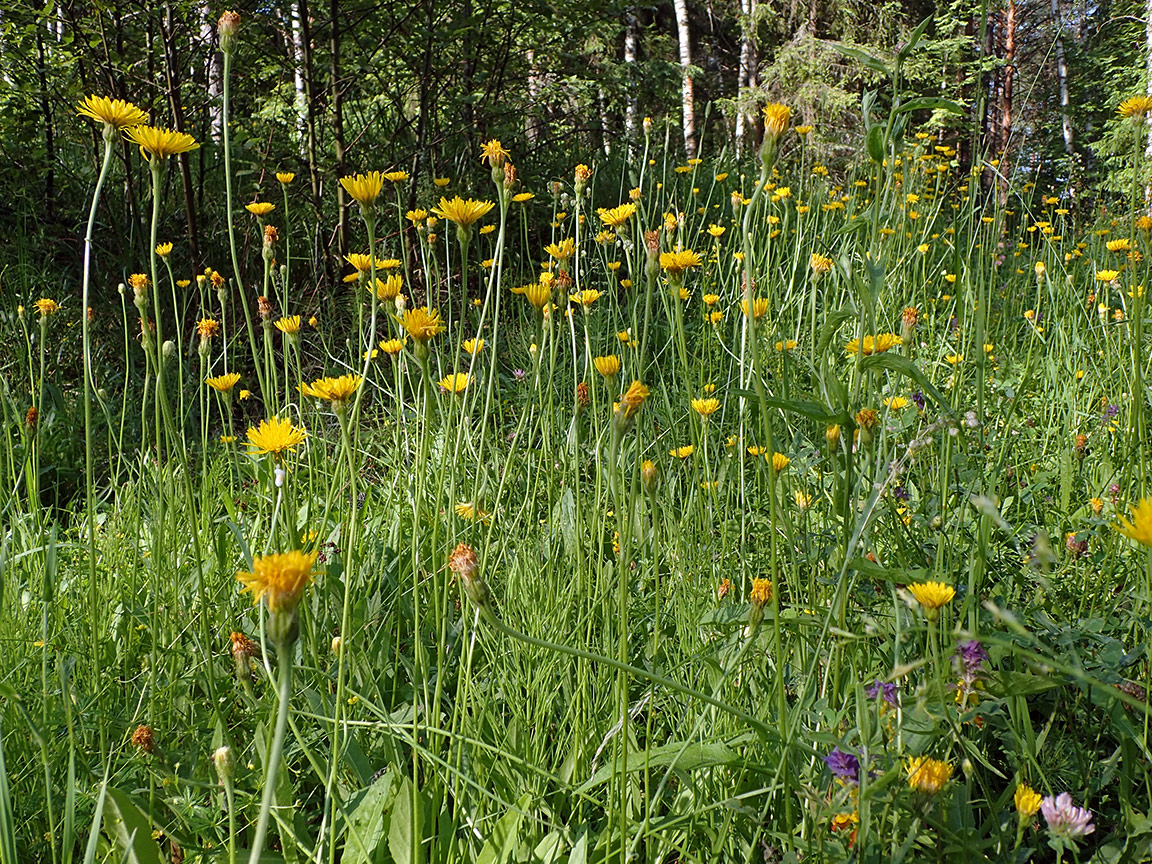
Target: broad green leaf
(130,829)
(913,41)
(904,366)
(366,813)
(929,103)
(683,757)
(873,63)
(501,842)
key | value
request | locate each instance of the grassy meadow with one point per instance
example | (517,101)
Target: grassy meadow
(670,511)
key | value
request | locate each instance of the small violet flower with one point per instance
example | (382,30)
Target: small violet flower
(1064,818)
(844,766)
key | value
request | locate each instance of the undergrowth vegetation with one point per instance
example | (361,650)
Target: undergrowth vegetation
(755,514)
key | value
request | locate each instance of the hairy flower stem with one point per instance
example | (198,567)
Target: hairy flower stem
(89,387)
(232,228)
(272,763)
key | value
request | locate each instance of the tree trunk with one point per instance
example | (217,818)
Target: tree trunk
(746,76)
(175,103)
(687,96)
(1008,73)
(49,129)
(632,108)
(338,129)
(1062,71)
(301,103)
(214,73)
(533,122)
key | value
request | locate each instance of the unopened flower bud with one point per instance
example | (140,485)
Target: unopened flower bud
(227,28)
(337,644)
(463,563)
(225,763)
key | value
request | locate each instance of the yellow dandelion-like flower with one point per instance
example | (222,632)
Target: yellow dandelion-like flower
(780,462)
(675,263)
(279,579)
(334,390)
(289,325)
(223,383)
(776,119)
(112,112)
(455,383)
(285,177)
(396,176)
(441,182)
(46,306)
(364,189)
(1107,275)
(206,328)
(522,197)
(760,307)
(819,264)
(1139,527)
(928,775)
(896,403)
(389,289)
(163,249)
(706,407)
(617,216)
(586,297)
(1135,107)
(1027,801)
(468,510)
(608,366)
(160,143)
(422,324)
(538,293)
(392,346)
(682,452)
(563,250)
(761,592)
(1121,245)
(260,208)
(275,437)
(932,595)
(493,153)
(873,344)
(463,213)
(473,346)
(633,399)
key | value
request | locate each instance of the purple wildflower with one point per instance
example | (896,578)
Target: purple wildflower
(900,493)
(1111,411)
(887,690)
(971,656)
(1064,818)
(843,765)
(918,399)
(519,374)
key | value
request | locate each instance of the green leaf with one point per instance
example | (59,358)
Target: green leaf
(365,813)
(913,41)
(501,843)
(130,829)
(402,842)
(929,103)
(680,755)
(904,366)
(875,143)
(873,63)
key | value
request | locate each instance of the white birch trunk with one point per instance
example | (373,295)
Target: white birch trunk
(215,74)
(1062,75)
(301,103)
(632,108)
(746,76)
(687,96)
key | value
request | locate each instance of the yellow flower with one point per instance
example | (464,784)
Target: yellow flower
(617,216)
(363,188)
(780,462)
(494,153)
(761,591)
(873,344)
(160,143)
(786,345)
(1027,801)
(389,289)
(422,324)
(522,197)
(1136,107)
(1107,275)
(677,262)
(455,383)
(586,297)
(820,264)
(362,263)
(760,306)
(260,208)
(416,216)
(706,407)
(279,579)
(802,130)
(441,182)
(468,510)
(632,400)
(46,307)
(1139,527)
(1121,245)
(392,346)
(285,177)
(163,249)
(245,394)
(463,213)
(473,346)
(334,390)
(776,119)
(716,230)
(608,366)
(896,403)
(538,294)
(928,775)
(112,112)
(274,437)
(563,250)
(396,176)
(206,328)
(954,359)
(223,383)
(682,452)
(289,325)
(932,595)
